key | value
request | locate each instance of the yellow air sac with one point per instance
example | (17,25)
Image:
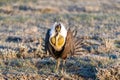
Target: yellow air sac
(60,41)
(57,42)
(53,40)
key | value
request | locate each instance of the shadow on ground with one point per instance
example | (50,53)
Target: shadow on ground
(13,39)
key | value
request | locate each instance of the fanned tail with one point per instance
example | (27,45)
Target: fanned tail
(78,46)
(79,43)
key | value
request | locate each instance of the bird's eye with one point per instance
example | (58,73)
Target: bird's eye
(58,28)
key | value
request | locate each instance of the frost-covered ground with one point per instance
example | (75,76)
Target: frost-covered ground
(23,24)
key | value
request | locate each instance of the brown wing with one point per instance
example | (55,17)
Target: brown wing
(73,44)
(69,45)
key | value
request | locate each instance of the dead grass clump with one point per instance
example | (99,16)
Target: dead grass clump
(108,46)
(33,50)
(23,52)
(21,76)
(112,73)
(6,9)
(92,8)
(49,10)
(101,45)
(37,9)
(8,54)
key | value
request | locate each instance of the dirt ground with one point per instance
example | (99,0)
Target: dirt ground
(23,25)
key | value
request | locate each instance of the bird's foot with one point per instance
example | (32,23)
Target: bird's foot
(57,72)
(66,75)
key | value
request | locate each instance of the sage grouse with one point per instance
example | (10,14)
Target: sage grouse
(60,43)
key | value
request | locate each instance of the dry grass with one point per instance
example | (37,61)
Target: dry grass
(109,73)
(108,46)
(23,25)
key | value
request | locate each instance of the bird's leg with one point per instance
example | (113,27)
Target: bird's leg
(63,72)
(57,65)
(63,66)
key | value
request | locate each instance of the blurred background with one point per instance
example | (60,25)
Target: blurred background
(23,25)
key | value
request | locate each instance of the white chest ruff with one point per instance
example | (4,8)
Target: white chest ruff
(63,33)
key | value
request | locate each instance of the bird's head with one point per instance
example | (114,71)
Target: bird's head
(58,35)
(58,28)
